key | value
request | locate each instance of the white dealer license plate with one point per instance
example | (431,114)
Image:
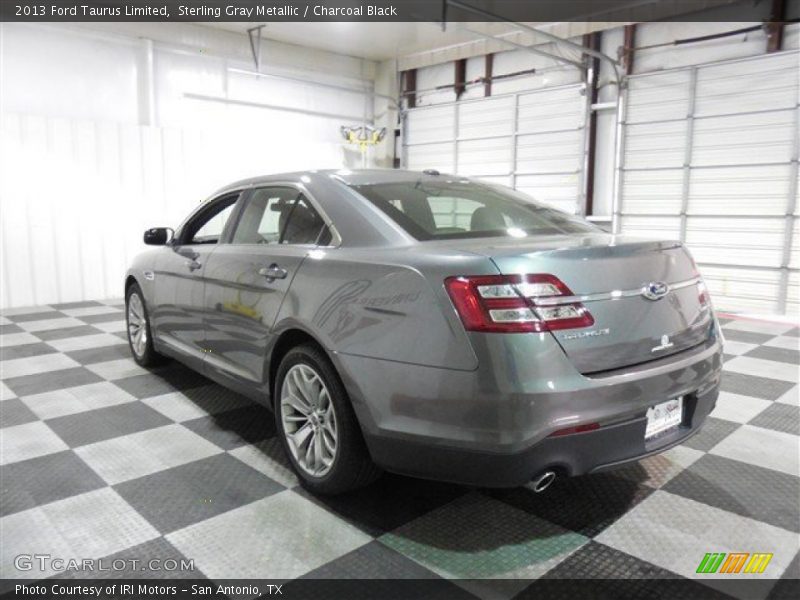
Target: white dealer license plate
(664,417)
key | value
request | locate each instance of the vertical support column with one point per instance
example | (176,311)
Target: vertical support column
(687,152)
(514,134)
(146,83)
(629,48)
(585,205)
(775,26)
(488,68)
(455,137)
(410,88)
(617,197)
(460,74)
(791,205)
(403,163)
(627,56)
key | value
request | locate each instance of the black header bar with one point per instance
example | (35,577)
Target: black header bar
(265,11)
(377,589)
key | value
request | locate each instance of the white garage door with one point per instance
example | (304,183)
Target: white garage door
(532,141)
(710,157)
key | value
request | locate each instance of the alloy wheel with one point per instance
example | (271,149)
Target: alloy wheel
(309,420)
(137,325)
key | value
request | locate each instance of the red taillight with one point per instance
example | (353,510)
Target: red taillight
(576,429)
(702,294)
(514,303)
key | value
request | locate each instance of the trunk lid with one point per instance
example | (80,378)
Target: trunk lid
(610,272)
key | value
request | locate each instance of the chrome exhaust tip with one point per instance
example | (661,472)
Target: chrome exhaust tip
(543,481)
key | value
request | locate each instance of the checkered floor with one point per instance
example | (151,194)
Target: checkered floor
(101,458)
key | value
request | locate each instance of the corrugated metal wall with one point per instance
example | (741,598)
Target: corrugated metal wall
(532,141)
(710,157)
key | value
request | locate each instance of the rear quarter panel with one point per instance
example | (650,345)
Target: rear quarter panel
(384,305)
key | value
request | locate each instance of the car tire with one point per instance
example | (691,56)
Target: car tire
(321,417)
(137,326)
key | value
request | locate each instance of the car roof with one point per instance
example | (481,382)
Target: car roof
(346,176)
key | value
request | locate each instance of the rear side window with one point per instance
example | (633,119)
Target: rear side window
(430,210)
(280,215)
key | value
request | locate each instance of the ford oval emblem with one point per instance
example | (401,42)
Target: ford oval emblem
(655,290)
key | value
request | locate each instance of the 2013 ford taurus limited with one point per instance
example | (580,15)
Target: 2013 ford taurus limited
(431,325)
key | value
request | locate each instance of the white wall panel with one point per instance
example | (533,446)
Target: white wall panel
(47,71)
(76,195)
(672,56)
(549,73)
(83,176)
(429,78)
(476,67)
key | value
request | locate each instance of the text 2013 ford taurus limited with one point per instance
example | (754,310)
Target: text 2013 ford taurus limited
(431,325)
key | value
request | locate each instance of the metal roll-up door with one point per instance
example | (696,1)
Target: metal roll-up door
(550,145)
(532,141)
(710,157)
(428,138)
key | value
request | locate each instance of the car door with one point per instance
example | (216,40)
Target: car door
(179,300)
(248,278)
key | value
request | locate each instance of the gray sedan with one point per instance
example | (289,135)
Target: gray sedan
(430,325)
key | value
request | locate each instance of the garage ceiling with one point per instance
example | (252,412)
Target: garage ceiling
(373,41)
(420,44)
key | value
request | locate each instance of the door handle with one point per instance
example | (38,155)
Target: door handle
(193,265)
(273,272)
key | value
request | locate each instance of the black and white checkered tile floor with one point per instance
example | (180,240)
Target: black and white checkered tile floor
(101,458)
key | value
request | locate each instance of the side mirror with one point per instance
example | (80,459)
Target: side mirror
(158,236)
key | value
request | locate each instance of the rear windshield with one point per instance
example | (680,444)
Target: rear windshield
(438,210)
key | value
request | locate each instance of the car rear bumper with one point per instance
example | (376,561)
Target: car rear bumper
(576,454)
(493,426)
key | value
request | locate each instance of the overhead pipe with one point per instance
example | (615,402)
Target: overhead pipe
(531,49)
(333,86)
(712,36)
(549,36)
(471,82)
(276,107)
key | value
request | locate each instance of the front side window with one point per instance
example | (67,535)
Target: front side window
(280,215)
(207,227)
(433,210)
